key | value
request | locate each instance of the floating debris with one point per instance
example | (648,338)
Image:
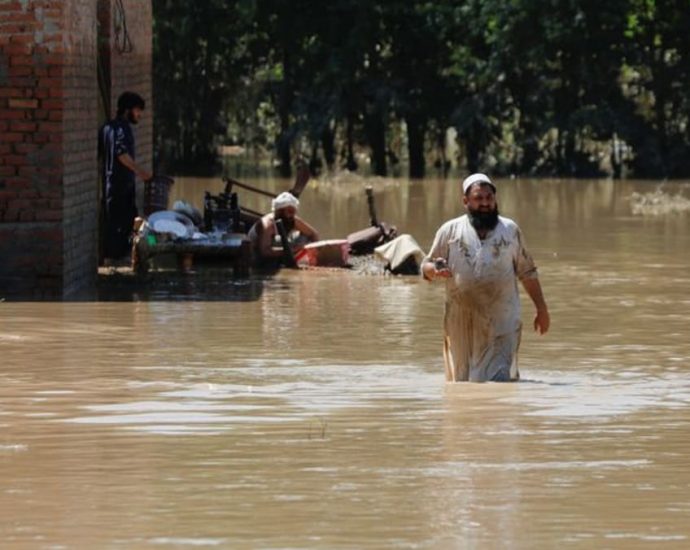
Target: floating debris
(658,203)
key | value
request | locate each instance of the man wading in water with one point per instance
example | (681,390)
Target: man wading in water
(481,255)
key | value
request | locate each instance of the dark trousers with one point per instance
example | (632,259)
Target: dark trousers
(120,212)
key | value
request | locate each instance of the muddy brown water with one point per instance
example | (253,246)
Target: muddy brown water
(309,409)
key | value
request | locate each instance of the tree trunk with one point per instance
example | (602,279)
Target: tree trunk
(473,151)
(662,128)
(530,155)
(328,144)
(351,163)
(283,150)
(415,146)
(376,136)
(315,161)
(616,158)
(443,162)
(569,161)
(284,140)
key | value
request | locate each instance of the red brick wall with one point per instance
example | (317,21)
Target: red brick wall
(31,141)
(130,68)
(49,118)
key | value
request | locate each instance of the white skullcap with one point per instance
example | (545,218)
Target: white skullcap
(476,178)
(284,200)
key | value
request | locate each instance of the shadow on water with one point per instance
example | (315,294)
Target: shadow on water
(207,285)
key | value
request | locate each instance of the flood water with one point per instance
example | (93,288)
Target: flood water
(309,409)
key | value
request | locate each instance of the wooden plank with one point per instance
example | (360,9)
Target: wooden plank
(230,183)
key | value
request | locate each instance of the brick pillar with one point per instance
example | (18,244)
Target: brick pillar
(33,49)
(80,185)
(49,187)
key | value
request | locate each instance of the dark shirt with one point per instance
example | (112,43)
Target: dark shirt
(119,197)
(116,139)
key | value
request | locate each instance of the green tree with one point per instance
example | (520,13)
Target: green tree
(531,86)
(658,79)
(199,58)
(559,65)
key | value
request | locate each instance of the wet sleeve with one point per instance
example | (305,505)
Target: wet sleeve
(523,261)
(439,248)
(120,142)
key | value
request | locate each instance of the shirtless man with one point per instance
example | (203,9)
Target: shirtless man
(264,233)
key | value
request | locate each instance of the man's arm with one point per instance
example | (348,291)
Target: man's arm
(542,320)
(305,229)
(128,161)
(435,264)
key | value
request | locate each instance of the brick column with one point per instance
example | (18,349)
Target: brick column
(49,182)
(32,59)
(79,147)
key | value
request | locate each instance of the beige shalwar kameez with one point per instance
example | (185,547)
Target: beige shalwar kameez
(482,324)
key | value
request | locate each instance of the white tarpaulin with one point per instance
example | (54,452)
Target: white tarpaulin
(400,249)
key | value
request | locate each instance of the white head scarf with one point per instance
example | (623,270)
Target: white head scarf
(284,200)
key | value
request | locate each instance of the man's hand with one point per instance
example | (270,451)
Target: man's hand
(533,288)
(542,321)
(436,268)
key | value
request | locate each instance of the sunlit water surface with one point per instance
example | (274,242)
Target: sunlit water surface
(309,409)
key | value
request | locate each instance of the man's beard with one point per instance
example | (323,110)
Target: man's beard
(483,221)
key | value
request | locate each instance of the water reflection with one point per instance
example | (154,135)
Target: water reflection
(203,284)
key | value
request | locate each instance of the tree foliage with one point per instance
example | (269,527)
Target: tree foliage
(542,87)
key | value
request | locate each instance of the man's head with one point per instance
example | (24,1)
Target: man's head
(476,179)
(285,208)
(479,198)
(130,105)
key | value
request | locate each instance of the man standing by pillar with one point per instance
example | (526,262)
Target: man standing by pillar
(116,143)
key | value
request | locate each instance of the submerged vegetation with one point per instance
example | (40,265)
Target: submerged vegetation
(527,87)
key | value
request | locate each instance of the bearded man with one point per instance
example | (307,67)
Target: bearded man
(481,256)
(264,235)
(119,172)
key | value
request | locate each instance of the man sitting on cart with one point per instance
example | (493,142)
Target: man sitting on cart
(268,248)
